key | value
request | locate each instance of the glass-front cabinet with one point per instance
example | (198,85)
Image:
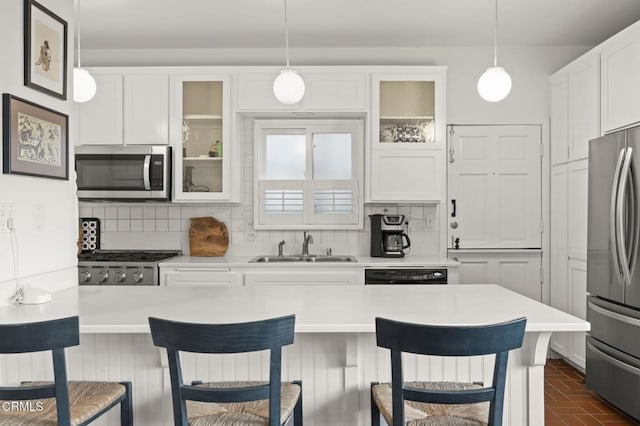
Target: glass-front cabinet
(201,138)
(406,153)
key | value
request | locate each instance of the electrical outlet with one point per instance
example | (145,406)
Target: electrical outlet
(429,222)
(6,212)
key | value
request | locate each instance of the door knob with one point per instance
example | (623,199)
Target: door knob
(453,224)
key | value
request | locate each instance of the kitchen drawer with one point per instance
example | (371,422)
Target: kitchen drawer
(205,277)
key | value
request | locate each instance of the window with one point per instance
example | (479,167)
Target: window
(308,174)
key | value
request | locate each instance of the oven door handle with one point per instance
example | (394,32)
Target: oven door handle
(146,172)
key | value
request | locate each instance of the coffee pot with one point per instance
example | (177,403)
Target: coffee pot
(389,236)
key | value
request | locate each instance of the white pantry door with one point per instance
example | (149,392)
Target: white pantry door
(495,184)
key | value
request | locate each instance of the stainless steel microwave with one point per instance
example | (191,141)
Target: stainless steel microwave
(123,172)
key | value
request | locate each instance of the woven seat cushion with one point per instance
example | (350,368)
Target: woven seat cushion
(252,413)
(423,414)
(86,400)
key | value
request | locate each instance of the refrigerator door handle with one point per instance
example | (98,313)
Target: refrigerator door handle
(620,213)
(613,216)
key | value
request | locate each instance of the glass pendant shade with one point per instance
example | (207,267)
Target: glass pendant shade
(288,87)
(84,85)
(494,85)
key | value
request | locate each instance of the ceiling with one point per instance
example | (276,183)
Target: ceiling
(149,24)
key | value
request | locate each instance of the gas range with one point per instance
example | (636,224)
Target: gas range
(121,267)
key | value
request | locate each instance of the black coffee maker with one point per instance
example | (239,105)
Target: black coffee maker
(389,235)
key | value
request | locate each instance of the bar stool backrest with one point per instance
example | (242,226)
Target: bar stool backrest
(439,340)
(53,335)
(271,334)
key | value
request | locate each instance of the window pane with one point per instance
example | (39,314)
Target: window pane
(332,156)
(285,157)
(333,201)
(283,201)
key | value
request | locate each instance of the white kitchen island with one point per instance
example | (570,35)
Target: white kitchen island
(334,353)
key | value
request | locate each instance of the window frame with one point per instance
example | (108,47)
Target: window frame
(309,219)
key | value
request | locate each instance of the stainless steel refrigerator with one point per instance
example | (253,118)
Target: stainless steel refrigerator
(613,273)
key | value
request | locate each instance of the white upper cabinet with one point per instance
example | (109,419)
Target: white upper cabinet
(559,117)
(584,104)
(325,91)
(621,79)
(100,119)
(129,108)
(575,108)
(406,149)
(201,138)
(146,109)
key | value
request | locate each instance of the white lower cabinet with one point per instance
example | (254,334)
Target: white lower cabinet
(218,277)
(518,271)
(568,236)
(283,276)
(578,297)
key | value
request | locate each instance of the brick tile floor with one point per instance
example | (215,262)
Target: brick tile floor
(568,402)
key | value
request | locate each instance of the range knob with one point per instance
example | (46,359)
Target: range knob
(138,276)
(85,277)
(120,276)
(103,276)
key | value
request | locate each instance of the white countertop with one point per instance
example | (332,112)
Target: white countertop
(362,261)
(318,309)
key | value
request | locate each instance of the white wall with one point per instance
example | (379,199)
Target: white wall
(47,258)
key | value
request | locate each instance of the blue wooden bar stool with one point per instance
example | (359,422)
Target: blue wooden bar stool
(230,403)
(443,403)
(61,402)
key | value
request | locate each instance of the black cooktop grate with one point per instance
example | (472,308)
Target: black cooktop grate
(127,255)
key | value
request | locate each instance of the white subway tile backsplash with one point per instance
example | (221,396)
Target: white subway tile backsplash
(148,225)
(174,225)
(186,212)
(110,225)
(162,225)
(174,212)
(124,213)
(124,225)
(86,212)
(136,225)
(162,212)
(136,212)
(148,212)
(111,213)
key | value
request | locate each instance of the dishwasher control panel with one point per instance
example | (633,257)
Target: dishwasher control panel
(405,276)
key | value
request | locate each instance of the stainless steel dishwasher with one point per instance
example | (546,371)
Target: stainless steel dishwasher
(413,276)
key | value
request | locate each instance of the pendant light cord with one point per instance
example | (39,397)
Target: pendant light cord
(286,32)
(495,36)
(78,28)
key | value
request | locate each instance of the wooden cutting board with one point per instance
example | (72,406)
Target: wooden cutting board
(208,237)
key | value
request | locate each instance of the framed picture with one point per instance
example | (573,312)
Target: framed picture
(35,139)
(45,50)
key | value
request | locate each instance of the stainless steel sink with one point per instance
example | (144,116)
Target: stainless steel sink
(295,258)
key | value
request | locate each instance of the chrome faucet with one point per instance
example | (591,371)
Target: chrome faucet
(280,246)
(308,239)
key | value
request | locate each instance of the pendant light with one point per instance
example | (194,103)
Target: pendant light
(495,84)
(288,87)
(84,85)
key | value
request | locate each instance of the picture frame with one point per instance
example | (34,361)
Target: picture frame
(35,139)
(45,50)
